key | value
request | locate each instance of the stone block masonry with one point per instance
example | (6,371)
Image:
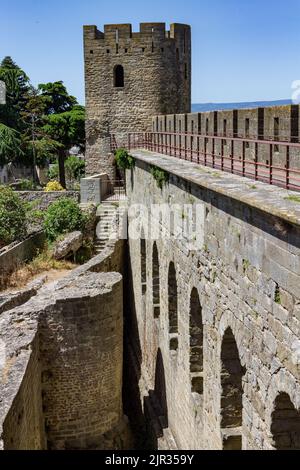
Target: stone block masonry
(14,255)
(42,199)
(129,77)
(62,356)
(274,123)
(215,352)
(81,353)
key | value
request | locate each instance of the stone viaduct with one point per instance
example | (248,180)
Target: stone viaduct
(214,329)
(191,327)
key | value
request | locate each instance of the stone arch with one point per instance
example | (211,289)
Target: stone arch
(160,390)
(285,427)
(155,281)
(173,307)
(196,343)
(231,393)
(143,252)
(118,76)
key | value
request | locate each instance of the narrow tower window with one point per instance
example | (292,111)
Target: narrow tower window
(207,127)
(118,76)
(247,127)
(155,281)
(196,343)
(276,133)
(143,263)
(173,313)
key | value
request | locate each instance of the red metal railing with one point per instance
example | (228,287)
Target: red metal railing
(262,160)
(113,143)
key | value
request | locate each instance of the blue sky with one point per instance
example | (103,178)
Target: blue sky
(243,50)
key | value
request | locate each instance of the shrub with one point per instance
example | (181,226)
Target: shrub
(124,160)
(26,185)
(63,216)
(53,172)
(161,177)
(74,166)
(53,186)
(12,216)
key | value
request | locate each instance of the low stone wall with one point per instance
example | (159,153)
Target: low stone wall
(14,255)
(10,300)
(61,381)
(23,427)
(43,199)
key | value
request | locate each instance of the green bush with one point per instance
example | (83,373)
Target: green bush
(161,177)
(27,185)
(124,160)
(74,167)
(12,216)
(53,172)
(63,216)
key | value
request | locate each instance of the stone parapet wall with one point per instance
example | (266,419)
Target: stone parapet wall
(13,256)
(274,123)
(239,290)
(61,379)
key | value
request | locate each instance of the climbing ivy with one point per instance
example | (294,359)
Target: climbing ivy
(124,160)
(161,177)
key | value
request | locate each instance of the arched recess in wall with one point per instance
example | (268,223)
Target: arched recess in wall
(155,281)
(173,307)
(143,263)
(118,76)
(160,390)
(232,393)
(285,426)
(196,343)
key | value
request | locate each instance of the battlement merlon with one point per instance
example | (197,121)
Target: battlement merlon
(147,31)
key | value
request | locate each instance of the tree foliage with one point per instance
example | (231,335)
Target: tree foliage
(12,216)
(63,216)
(74,166)
(37,124)
(10,144)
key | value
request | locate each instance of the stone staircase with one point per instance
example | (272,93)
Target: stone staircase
(107,214)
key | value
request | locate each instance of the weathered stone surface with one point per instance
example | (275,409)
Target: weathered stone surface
(61,380)
(157,79)
(14,255)
(42,199)
(257,297)
(90,211)
(69,245)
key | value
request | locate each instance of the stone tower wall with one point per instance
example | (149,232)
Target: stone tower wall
(157,80)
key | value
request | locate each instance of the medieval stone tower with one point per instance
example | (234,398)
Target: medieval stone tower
(130,77)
